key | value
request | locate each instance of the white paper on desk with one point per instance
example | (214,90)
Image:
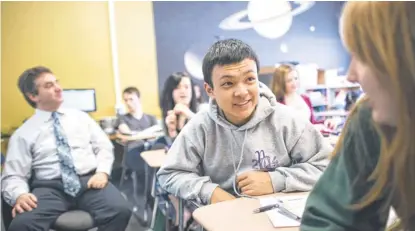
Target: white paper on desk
(153,129)
(295,204)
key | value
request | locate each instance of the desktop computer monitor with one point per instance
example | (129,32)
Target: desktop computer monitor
(81,99)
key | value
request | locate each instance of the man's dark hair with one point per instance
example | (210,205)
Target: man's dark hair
(226,52)
(27,84)
(131,90)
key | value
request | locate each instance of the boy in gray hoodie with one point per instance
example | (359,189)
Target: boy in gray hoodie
(246,144)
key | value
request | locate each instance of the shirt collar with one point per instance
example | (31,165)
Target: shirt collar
(47,115)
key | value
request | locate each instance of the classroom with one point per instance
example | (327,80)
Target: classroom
(207,115)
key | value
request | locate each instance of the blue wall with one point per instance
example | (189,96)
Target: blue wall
(193,26)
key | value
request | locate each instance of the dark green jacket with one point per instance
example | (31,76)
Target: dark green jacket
(345,182)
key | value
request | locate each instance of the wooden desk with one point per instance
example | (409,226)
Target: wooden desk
(112,137)
(236,215)
(139,136)
(154,158)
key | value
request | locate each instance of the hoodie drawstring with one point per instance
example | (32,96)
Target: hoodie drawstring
(236,168)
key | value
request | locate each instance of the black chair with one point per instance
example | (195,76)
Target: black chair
(73,220)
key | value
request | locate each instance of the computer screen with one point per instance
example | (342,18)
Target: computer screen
(81,99)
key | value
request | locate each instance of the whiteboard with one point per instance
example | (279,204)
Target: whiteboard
(81,99)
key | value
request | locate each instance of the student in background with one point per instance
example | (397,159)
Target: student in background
(246,143)
(135,120)
(132,123)
(374,163)
(178,102)
(284,85)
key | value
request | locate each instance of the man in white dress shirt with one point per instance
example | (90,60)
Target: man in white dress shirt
(58,160)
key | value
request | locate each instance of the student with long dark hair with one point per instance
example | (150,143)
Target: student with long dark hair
(178,102)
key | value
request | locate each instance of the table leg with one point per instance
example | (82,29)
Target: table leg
(146,182)
(156,199)
(181,214)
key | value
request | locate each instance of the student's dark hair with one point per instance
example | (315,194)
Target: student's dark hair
(225,52)
(167,101)
(132,90)
(26,82)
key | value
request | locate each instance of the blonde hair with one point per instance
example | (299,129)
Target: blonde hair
(279,80)
(382,36)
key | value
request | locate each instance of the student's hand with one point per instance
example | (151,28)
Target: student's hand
(171,123)
(121,138)
(255,183)
(220,195)
(98,181)
(332,123)
(181,109)
(320,127)
(171,120)
(25,202)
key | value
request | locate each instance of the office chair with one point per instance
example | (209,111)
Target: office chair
(73,220)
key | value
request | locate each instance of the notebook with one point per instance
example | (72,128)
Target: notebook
(295,204)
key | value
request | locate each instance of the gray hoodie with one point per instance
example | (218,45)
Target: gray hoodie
(211,152)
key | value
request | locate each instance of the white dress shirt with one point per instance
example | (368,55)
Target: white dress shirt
(32,149)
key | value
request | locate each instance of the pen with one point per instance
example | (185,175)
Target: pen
(266,208)
(289,214)
(282,210)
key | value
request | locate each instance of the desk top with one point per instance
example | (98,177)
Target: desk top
(154,158)
(236,215)
(139,136)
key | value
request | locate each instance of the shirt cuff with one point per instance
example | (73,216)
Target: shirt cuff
(105,169)
(12,197)
(206,192)
(278,181)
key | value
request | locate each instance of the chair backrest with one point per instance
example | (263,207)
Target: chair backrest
(2,160)
(6,210)
(6,213)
